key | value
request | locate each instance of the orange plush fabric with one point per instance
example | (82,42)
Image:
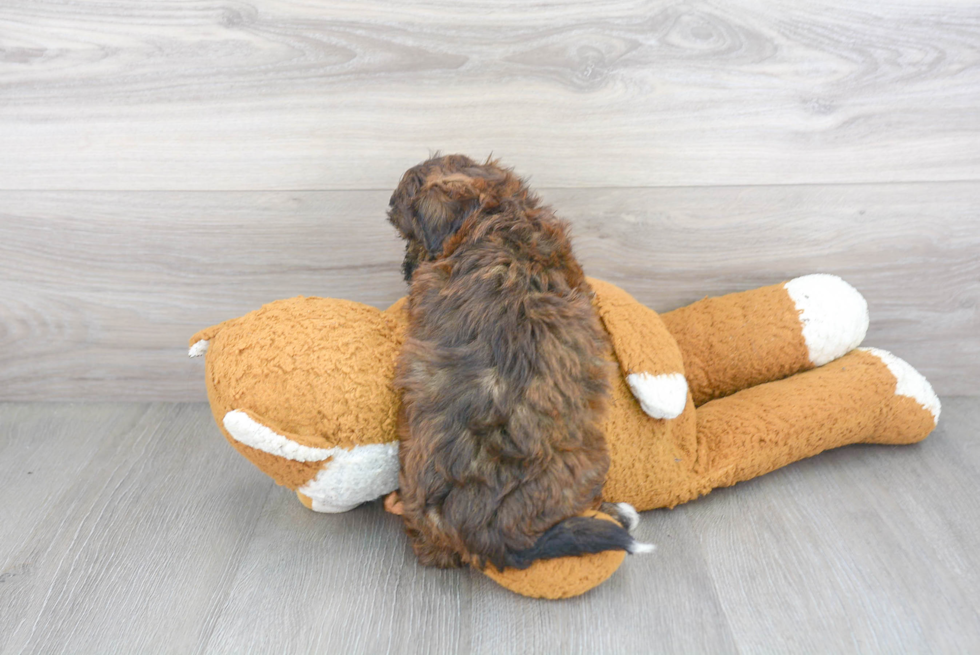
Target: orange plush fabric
(320,371)
(720,338)
(564,577)
(640,338)
(314,374)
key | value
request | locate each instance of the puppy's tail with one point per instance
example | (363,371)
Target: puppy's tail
(578,535)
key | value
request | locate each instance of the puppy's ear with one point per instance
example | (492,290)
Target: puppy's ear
(400,212)
(442,205)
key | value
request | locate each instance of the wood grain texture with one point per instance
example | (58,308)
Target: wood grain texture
(348,583)
(99,291)
(661,603)
(136,528)
(301,94)
(847,547)
(43,453)
(129,525)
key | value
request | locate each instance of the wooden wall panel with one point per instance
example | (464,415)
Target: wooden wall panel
(99,291)
(149,94)
(164,166)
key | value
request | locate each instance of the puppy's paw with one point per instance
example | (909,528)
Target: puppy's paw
(393,504)
(624,513)
(629,516)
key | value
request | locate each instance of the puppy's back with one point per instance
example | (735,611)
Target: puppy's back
(504,378)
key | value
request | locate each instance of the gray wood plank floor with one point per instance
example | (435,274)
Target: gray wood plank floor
(135,528)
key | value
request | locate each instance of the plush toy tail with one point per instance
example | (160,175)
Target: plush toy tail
(578,535)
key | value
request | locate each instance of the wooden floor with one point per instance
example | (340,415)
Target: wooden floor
(136,528)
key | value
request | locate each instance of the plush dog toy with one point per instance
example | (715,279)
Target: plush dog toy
(303,389)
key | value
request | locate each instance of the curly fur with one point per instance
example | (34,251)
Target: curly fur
(504,374)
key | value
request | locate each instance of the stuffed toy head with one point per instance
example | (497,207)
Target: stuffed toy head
(302,388)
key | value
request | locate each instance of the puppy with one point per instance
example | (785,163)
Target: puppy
(503,376)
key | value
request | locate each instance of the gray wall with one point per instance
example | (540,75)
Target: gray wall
(165,166)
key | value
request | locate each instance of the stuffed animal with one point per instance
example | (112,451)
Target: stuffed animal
(720,391)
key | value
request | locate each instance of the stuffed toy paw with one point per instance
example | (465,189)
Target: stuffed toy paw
(720,391)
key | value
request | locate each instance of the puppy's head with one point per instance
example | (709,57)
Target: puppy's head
(435,198)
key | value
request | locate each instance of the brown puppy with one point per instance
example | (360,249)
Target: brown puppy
(503,376)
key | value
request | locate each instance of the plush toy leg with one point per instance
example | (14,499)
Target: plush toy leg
(866,396)
(743,339)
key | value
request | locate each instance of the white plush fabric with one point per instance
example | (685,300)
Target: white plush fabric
(350,478)
(353,477)
(242,428)
(909,382)
(198,349)
(660,396)
(834,315)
